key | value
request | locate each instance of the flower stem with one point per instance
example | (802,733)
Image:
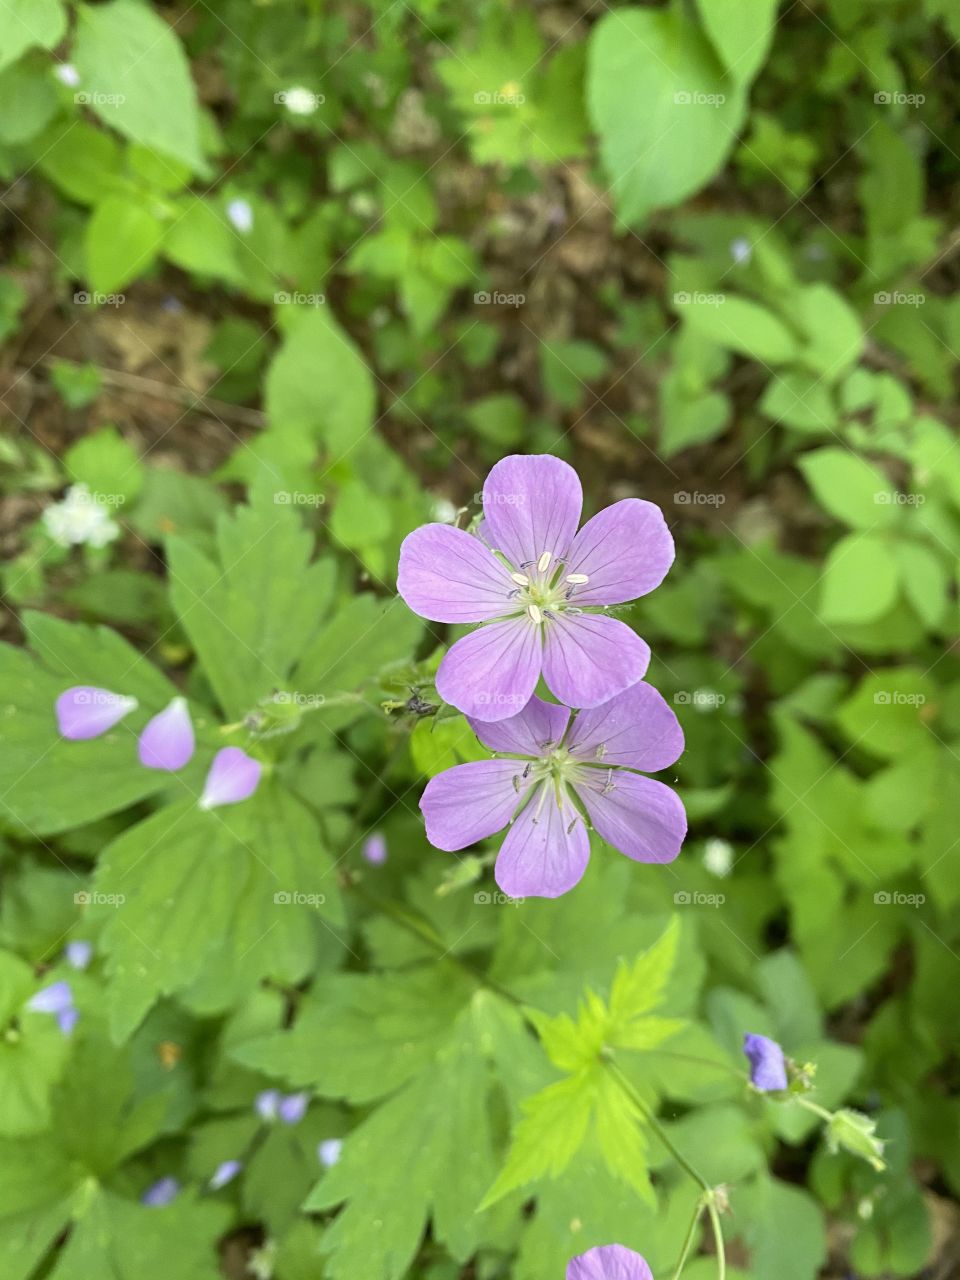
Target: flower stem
(690,1237)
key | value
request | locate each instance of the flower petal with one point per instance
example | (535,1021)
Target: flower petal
(85,711)
(53,999)
(625,551)
(768,1069)
(328,1151)
(491,674)
(531,504)
(588,659)
(233,777)
(161,1193)
(470,802)
(168,742)
(641,817)
(546,852)
(528,732)
(450,576)
(375,848)
(609,1262)
(636,729)
(225,1172)
(293,1108)
(67,1019)
(78,953)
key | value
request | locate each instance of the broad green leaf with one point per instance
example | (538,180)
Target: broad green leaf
(83,161)
(136,74)
(122,241)
(33,1053)
(772,1212)
(834,334)
(925,580)
(741,31)
(27,24)
(107,464)
(666,115)
(887,714)
(28,101)
(200,240)
(251,612)
(743,326)
(850,488)
(365,636)
(319,384)
(859,580)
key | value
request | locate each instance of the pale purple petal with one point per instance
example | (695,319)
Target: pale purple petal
(267,1104)
(636,729)
(52,999)
(492,673)
(168,742)
(532,504)
(225,1172)
(375,849)
(471,801)
(625,551)
(546,850)
(589,659)
(67,1019)
(609,1262)
(768,1068)
(641,817)
(328,1151)
(293,1108)
(532,732)
(85,711)
(161,1193)
(233,777)
(448,575)
(78,953)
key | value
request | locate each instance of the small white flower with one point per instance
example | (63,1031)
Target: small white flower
(718,857)
(301,101)
(79,520)
(741,250)
(67,74)
(240,215)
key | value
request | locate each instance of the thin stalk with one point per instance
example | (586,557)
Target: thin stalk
(690,1237)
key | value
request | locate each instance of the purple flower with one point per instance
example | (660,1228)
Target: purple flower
(53,999)
(539,588)
(328,1151)
(85,712)
(168,742)
(67,1019)
(78,953)
(224,1173)
(563,772)
(768,1070)
(293,1108)
(161,1193)
(375,849)
(267,1104)
(609,1262)
(233,777)
(271,1104)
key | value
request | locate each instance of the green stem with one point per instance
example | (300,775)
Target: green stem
(690,1237)
(815,1107)
(717,1237)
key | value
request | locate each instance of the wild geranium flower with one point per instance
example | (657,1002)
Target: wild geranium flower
(78,953)
(168,741)
(58,1000)
(559,775)
(161,1193)
(609,1262)
(233,776)
(290,1108)
(768,1068)
(225,1172)
(375,849)
(539,588)
(84,711)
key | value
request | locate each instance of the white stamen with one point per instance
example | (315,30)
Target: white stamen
(520,579)
(543,561)
(534,612)
(578,579)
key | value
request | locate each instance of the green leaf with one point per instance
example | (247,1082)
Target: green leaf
(28,100)
(107,465)
(665,113)
(252,611)
(887,714)
(773,1212)
(744,326)
(137,77)
(851,489)
(859,580)
(200,240)
(27,24)
(32,1054)
(925,580)
(318,382)
(365,636)
(122,241)
(741,32)
(833,330)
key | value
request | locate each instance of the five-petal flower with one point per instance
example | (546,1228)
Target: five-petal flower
(609,1262)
